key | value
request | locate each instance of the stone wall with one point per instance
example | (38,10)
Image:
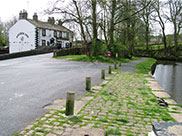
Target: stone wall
(41,50)
(70,51)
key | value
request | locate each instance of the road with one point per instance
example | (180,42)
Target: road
(29,83)
(131,66)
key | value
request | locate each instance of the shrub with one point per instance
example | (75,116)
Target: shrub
(122,50)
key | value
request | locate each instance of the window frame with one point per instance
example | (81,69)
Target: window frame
(67,35)
(60,34)
(43,32)
(55,33)
(43,42)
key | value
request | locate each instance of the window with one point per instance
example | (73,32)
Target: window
(43,32)
(63,34)
(43,42)
(67,35)
(60,34)
(55,33)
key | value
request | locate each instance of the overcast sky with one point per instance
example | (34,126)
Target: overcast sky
(11,8)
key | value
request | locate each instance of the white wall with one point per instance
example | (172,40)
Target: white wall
(21,37)
(50,34)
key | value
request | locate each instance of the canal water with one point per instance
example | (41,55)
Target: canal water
(169,77)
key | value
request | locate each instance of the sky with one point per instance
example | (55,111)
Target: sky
(11,8)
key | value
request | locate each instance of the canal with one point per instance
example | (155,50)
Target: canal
(169,77)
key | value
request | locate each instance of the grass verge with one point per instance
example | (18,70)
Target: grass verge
(145,67)
(94,59)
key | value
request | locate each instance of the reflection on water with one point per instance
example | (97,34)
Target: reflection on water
(170,79)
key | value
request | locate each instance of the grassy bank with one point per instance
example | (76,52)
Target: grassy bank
(96,59)
(145,67)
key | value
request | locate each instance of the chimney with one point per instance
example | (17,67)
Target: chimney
(60,22)
(51,20)
(23,14)
(20,15)
(35,17)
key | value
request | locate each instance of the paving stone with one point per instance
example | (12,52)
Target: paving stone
(37,128)
(58,127)
(55,116)
(68,129)
(58,132)
(154,86)
(56,123)
(51,119)
(170,101)
(47,115)
(47,129)
(104,82)
(97,87)
(29,127)
(44,118)
(66,133)
(52,111)
(161,94)
(47,121)
(47,126)
(23,132)
(39,133)
(60,114)
(176,116)
(51,134)
(90,132)
(30,132)
(168,128)
(56,105)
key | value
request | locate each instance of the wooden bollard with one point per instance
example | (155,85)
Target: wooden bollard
(54,53)
(70,100)
(115,65)
(120,64)
(110,69)
(103,74)
(88,83)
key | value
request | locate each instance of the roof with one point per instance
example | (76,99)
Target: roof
(46,25)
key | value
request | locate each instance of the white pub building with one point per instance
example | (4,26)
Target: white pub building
(27,34)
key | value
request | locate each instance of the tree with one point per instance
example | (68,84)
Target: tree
(175,7)
(111,29)
(146,14)
(94,29)
(159,17)
(114,18)
(4,28)
(73,12)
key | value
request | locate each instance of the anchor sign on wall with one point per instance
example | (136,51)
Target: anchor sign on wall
(22,36)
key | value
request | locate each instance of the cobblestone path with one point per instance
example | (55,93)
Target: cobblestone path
(124,106)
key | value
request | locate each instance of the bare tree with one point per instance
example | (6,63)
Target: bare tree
(104,20)
(94,28)
(175,7)
(74,11)
(146,16)
(159,17)
(111,29)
